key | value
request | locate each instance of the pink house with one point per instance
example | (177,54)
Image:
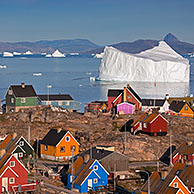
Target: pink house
(126,108)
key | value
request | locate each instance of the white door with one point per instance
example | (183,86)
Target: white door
(89,184)
(5,184)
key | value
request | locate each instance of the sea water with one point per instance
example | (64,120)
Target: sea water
(72,75)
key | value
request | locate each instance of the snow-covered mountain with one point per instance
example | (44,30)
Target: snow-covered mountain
(160,64)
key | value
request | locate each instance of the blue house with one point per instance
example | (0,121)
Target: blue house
(60,100)
(86,174)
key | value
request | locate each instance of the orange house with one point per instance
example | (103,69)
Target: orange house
(58,145)
(181,108)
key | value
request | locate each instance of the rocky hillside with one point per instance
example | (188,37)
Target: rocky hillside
(91,130)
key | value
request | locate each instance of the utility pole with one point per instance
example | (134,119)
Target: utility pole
(125,138)
(29,134)
(170,149)
(72,170)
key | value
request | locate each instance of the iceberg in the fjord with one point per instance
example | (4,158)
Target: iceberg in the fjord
(7,54)
(160,64)
(57,53)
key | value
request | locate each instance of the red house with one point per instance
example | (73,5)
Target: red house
(184,153)
(128,94)
(13,175)
(153,124)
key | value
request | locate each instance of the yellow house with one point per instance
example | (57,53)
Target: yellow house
(58,145)
(181,108)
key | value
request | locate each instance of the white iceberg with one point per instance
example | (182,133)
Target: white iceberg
(7,54)
(37,74)
(16,53)
(57,53)
(99,55)
(28,53)
(74,53)
(160,64)
(3,66)
(48,55)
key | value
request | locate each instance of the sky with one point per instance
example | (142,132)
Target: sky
(101,21)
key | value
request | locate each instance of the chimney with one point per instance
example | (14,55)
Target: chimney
(14,135)
(86,158)
(167,97)
(23,85)
(125,94)
(2,152)
(59,130)
(128,86)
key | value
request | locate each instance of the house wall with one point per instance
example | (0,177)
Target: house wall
(67,146)
(50,152)
(131,98)
(118,101)
(186,113)
(126,108)
(110,100)
(30,101)
(180,185)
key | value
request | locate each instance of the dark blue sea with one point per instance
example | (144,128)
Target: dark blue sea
(71,75)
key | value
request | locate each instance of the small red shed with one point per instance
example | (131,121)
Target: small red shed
(153,124)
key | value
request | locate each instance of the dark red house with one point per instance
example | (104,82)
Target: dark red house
(13,175)
(184,153)
(153,124)
(128,94)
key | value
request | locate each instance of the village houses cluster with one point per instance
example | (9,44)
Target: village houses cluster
(93,168)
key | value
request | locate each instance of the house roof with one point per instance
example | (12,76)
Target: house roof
(134,93)
(114,92)
(176,106)
(185,148)
(56,97)
(27,91)
(144,115)
(53,137)
(150,117)
(6,141)
(152,102)
(98,154)
(129,103)
(182,171)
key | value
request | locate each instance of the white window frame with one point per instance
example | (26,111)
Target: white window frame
(21,143)
(175,185)
(12,163)
(67,103)
(192,189)
(12,100)
(45,148)
(23,100)
(95,181)
(67,138)
(73,146)
(21,154)
(60,103)
(11,180)
(95,167)
(145,125)
(10,92)
(63,147)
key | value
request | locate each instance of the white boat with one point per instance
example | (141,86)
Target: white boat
(3,66)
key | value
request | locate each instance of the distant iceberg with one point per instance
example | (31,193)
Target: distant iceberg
(74,53)
(99,55)
(57,53)
(37,74)
(28,53)
(16,53)
(160,64)
(48,55)
(7,54)
(3,66)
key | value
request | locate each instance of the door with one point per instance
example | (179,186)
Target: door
(89,184)
(4,183)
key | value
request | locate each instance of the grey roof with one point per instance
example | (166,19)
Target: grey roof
(152,102)
(27,91)
(53,137)
(98,154)
(55,97)
(176,106)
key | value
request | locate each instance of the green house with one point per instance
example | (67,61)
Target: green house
(20,96)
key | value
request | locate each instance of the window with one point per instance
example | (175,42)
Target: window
(21,143)
(73,148)
(62,149)
(192,189)
(67,103)
(145,125)
(11,180)
(67,139)
(60,103)
(129,97)
(21,155)
(186,107)
(95,181)
(12,100)
(95,167)
(71,178)
(12,163)
(23,100)
(175,185)
(10,92)
(45,147)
